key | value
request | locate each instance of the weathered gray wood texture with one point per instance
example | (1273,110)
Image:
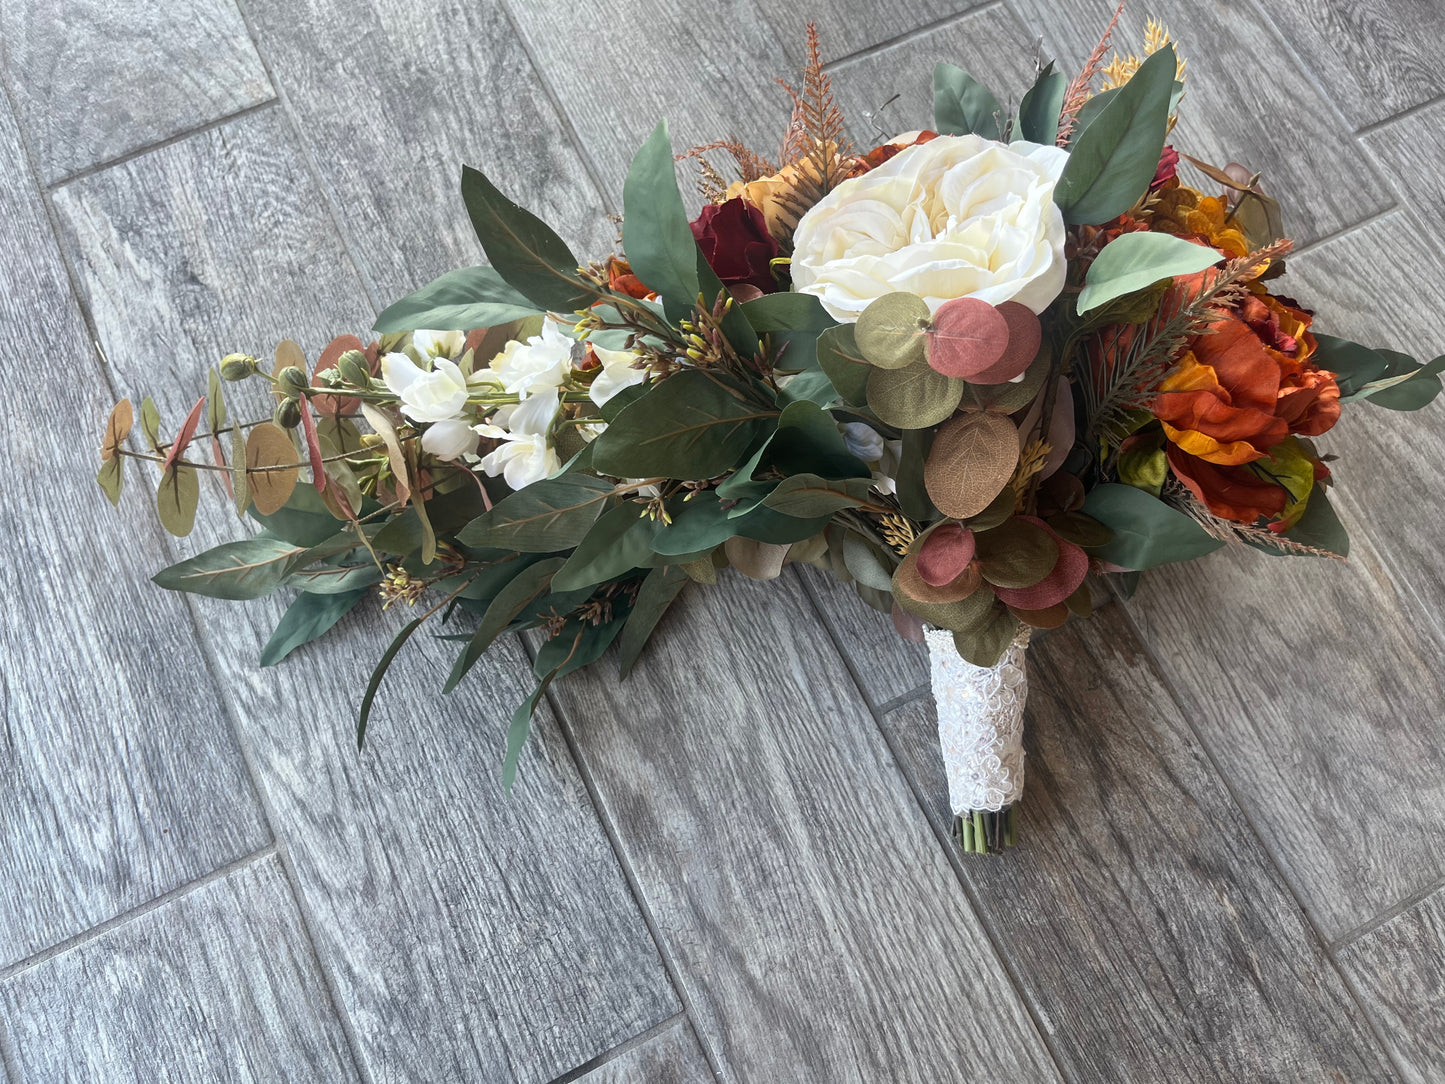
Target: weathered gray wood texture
(118,782)
(219,984)
(94,80)
(466,930)
(1151,933)
(1236,768)
(1396,968)
(817,927)
(671,1056)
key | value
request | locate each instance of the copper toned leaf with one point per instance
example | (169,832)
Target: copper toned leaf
(271,467)
(972,459)
(117,428)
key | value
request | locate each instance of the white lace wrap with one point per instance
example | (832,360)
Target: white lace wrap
(980,723)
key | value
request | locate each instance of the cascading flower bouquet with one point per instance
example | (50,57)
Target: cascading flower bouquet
(962,371)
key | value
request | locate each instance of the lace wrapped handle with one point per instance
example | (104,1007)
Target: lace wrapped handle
(980,731)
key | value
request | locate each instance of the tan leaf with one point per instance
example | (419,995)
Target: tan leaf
(238,460)
(177,497)
(756,560)
(288,353)
(271,467)
(972,459)
(122,417)
(384,428)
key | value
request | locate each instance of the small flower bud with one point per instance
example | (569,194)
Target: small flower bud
(354,370)
(292,379)
(287,414)
(237,366)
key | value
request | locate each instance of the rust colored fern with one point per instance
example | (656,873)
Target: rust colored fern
(1078,91)
(816,135)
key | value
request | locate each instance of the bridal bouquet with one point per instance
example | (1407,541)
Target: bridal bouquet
(961,370)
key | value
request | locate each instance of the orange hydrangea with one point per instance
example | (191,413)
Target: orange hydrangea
(1184,212)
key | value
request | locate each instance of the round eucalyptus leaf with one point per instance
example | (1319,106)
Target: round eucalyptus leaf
(1016,554)
(913,398)
(892,332)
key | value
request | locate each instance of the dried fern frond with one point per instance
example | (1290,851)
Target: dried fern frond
(750,165)
(817,134)
(1079,91)
(1227,530)
(1126,362)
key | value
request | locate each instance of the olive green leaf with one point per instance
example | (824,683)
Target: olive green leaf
(892,332)
(470,297)
(656,594)
(962,105)
(1135,261)
(840,358)
(176,498)
(546,516)
(913,398)
(308,618)
(1147,532)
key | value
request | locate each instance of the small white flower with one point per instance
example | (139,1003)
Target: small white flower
(449,439)
(617,373)
(437,395)
(439,344)
(525,455)
(862,440)
(540,363)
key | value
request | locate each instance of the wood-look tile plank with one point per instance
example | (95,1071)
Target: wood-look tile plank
(220,984)
(1316,684)
(96,79)
(812,917)
(117,784)
(1374,60)
(1246,101)
(471,934)
(885,665)
(671,1057)
(1398,968)
(1410,150)
(620,67)
(1147,925)
(393,96)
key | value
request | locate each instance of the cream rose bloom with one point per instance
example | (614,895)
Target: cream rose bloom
(958,216)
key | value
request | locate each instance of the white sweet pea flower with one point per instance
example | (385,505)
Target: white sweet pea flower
(449,439)
(885,471)
(525,455)
(437,395)
(439,344)
(617,373)
(540,363)
(958,216)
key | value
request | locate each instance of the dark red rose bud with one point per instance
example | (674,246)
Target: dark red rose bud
(1168,167)
(734,239)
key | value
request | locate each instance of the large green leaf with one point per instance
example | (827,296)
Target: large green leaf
(248,568)
(808,496)
(525,252)
(962,105)
(1038,116)
(618,542)
(808,441)
(1386,378)
(308,618)
(655,595)
(1147,532)
(702,523)
(840,358)
(303,519)
(1320,527)
(546,516)
(787,311)
(1116,156)
(655,231)
(1135,261)
(470,297)
(689,426)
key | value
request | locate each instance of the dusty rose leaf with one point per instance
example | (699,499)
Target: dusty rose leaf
(944,553)
(183,438)
(968,336)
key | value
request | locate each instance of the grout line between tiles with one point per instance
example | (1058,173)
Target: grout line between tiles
(909,35)
(1404,114)
(951,854)
(1345,231)
(625,1047)
(100,929)
(141,152)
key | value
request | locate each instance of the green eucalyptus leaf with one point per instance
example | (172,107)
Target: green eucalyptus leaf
(656,594)
(546,516)
(913,398)
(470,297)
(1038,116)
(303,519)
(525,252)
(866,563)
(176,498)
(840,358)
(689,426)
(808,441)
(150,423)
(962,105)
(912,494)
(892,332)
(249,568)
(1015,554)
(809,496)
(618,542)
(308,618)
(527,583)
(334,579)
(984,644)
(809,386)
(1114,159)
(1147,532)
(379,672)
(1135,261)
(110,478)
(1320,526)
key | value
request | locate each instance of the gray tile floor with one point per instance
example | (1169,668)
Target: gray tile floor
(735,866)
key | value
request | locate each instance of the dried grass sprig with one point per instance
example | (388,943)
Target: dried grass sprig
(1226,530)
(1079,89)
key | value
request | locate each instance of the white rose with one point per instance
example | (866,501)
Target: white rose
(435,395)
(958,216)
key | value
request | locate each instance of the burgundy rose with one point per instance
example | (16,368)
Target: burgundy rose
(1168,167)
(735,241)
